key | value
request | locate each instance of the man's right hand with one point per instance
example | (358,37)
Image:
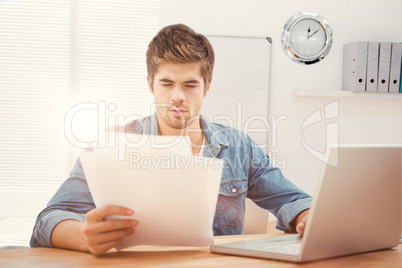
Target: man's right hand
(96,235)
(100,234)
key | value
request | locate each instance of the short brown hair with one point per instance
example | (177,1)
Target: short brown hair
(180,44)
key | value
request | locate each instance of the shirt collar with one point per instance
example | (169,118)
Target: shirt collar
(214,136)
(152,127)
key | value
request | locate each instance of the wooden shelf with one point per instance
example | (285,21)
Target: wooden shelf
(344,94)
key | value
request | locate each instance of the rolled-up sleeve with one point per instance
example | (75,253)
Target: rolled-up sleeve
(71,202)
(288,213)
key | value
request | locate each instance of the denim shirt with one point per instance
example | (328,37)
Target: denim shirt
(247,172)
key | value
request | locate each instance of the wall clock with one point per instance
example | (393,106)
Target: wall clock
(306,38)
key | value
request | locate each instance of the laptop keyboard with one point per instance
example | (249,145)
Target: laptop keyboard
(293,248)
(10,241)
(15,232)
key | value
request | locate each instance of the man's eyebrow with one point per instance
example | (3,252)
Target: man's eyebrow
(165,80)
(192,81)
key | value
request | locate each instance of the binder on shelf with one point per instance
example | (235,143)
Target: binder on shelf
(355,66)
(395,71)
(384,63)
(400,86)
(372,66)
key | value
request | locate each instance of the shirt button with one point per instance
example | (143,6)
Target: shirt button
(234,190)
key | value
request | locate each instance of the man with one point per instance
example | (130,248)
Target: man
(180,64)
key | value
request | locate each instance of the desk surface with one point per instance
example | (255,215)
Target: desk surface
(182,257)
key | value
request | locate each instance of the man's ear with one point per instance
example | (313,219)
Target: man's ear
(207,90)
(149,85)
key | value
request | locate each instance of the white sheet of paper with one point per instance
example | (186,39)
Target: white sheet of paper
(173,195)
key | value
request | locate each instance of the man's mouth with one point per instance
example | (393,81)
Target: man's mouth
(177,112)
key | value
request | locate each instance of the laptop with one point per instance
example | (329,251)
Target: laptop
(356,209)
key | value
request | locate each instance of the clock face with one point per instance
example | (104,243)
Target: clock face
(307,38)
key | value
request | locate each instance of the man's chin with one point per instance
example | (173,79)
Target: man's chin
(177,122)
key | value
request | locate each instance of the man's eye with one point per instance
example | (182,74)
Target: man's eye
(167,85)
(191,86)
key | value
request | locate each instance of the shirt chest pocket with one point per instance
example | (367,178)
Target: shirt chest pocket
(231,203)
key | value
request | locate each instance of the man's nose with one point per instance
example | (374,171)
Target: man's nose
(177,94)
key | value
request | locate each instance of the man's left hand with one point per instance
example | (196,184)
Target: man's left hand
(301,222)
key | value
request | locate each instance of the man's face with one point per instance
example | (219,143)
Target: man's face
(179,91)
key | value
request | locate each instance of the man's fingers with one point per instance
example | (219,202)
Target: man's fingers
(101,235)
(300,228)
(109,225)
(103,248)
(302,225)
(102,238)
(98,214)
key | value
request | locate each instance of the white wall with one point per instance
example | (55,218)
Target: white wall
(360,120)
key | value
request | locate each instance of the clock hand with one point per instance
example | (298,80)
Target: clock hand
(308,32)
(312,34)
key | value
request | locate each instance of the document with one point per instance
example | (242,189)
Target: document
(173,194)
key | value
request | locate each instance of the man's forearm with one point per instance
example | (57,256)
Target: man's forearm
(69,234)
